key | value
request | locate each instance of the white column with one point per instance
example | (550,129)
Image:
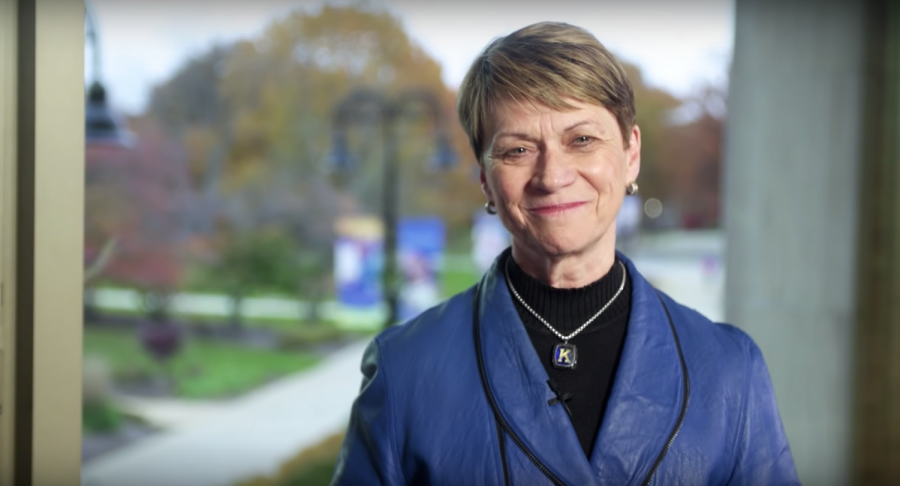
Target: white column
(793,148)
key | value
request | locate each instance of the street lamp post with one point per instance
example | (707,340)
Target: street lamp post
(388,111)
(102,126)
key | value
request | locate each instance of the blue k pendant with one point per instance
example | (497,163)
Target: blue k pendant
(565,356)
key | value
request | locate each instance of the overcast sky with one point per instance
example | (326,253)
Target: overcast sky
(679,45)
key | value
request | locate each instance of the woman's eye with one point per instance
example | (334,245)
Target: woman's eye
(582,139)
(518,151)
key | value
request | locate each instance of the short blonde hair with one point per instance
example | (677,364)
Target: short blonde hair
(544,63)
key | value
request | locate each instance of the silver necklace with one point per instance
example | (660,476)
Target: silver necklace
(565,355)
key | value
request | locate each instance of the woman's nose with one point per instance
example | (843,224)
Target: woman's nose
(553,171)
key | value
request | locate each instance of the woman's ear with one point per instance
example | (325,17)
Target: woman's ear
(633,155)
(485,188)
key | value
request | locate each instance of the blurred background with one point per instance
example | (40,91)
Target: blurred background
(270,183)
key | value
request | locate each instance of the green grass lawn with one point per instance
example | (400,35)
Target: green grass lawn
(456,281)
(200,369)
(316,474)
(311,467)
(316,331)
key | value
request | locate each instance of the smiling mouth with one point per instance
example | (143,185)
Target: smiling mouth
(556,208)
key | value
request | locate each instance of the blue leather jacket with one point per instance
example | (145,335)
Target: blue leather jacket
(458,396)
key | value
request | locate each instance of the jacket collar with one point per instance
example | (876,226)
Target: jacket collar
(644,403)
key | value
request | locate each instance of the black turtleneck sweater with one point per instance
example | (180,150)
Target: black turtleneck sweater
(599,345)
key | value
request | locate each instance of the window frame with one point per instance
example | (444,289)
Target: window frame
(41,240)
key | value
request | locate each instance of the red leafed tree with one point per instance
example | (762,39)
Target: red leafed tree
(134,218)
(694,160)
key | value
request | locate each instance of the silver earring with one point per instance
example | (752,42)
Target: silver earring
(489,208)
(631,189)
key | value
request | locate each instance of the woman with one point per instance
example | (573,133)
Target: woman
(563,365)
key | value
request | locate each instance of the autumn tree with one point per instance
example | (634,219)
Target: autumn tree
(694,158)
(261,261)
(255,118)
(134,202)
(290,81)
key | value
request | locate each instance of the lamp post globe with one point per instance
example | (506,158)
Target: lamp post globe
(102,125)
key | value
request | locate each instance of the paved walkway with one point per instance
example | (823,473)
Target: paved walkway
(244,438)
(167,414)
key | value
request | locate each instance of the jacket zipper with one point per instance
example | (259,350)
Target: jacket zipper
(501,440)
(684,400)
(495,409)
(521,445)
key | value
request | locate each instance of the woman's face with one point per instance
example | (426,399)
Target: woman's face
(558,178)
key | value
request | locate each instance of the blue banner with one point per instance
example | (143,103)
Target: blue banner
(358,261)
(420,243)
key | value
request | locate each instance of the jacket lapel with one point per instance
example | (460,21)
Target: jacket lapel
(518,382)
(647,393)
(643,406)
